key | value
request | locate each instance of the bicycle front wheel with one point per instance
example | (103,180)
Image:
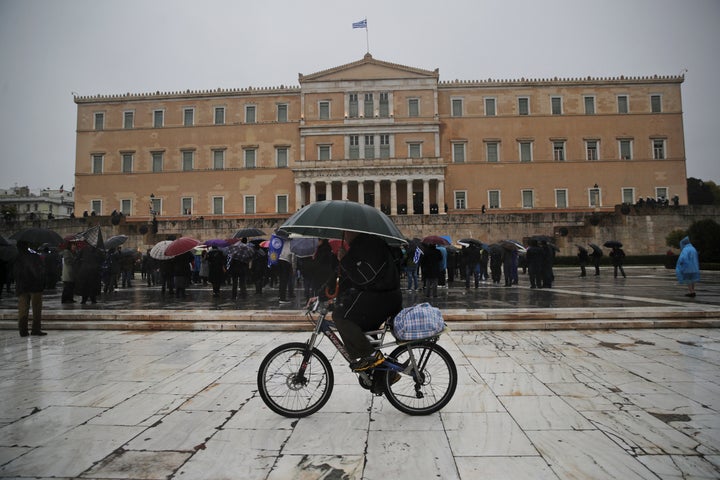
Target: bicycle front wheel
(429,387)
(291,389)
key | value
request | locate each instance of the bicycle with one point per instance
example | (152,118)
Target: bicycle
(295,380)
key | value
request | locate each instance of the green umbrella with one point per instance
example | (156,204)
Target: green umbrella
(329,218)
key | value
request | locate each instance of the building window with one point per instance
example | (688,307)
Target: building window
(591,150)
(556,105)
(324,152)
(561,197)
(249,157)
(559,151)
(413,107)
(458,152)
(158,118)
(155,206)
(524,106)
(128,120)
(368,106)
(219,115)
(218,204)
(589,105)
(324,109)
(127,162)
(595,200)
(250,114)
(353,105)
(526,151)
(186,205)
(655,103)
(282,113)
(658,149)
(281,157)
(281,204)
(457,107)
(494,198)
(188,160)
(218,159)
(622,104)
(384,104)
(415,150)
(625,149)
(628,196)
(354,151)
(528,200)
(490,107)
(157,162)
(661,193)
(99,121)
(188,117)
(460,200)
(384,145)
(97,164)
(249,202)
(492,151)
(96,206)
(126,206)
(369,149)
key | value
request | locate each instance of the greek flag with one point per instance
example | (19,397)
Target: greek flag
(416,257)
(361,24)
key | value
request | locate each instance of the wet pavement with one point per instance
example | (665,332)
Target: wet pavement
(612,403)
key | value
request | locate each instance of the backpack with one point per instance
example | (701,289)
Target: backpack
(418,322)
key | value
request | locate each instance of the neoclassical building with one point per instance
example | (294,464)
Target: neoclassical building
(389,135)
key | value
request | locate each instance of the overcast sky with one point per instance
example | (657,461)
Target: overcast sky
(50,48)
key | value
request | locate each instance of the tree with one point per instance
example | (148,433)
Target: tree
(703,235)
(673,238)
(702,193)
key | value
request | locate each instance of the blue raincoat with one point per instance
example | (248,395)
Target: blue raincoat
(687,269)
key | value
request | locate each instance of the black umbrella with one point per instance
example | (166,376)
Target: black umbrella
(115,241)
(596,249)
(330,218)
(581,249)
(249,232)
(613,244)
(38,236)
(470,241)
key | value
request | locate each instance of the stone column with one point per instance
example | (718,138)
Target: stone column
(377,193)
(410,197)
(441,195)
(344,190)
(299,197)
(328,190)
(426,196)
(361,191)
(393,197)
(313,193)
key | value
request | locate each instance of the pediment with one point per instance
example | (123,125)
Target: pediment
(368,68)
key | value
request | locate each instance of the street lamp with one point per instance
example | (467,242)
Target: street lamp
(153,212)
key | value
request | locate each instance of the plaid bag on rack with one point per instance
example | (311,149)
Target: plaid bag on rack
(418,322)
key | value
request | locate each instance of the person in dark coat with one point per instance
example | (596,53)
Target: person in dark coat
(548,276)
(534,258)
(237,269)
(216,264)
(617,256)
(182,271)
(87,271)
(259,269)
(496,265)
(324,268)
(29,272)
(596,256)
(431,265)
(167,279)
(584,258)
(369,293)
(470,257)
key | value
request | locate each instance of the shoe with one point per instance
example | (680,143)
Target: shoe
(38,333)
(366,363)
(691,295)
(24,334)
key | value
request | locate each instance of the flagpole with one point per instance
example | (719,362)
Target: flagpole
(367,36)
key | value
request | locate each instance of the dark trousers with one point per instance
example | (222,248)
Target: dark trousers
(68,292)
(286,280)
(25,300)
(367,311)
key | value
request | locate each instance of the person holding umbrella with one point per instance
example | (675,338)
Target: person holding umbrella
(29,272)
(596,255)
(617,255)
(368,293)
(584,258)
(687,268)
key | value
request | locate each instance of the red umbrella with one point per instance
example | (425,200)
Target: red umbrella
(335,245)
(435,239)
(181,245)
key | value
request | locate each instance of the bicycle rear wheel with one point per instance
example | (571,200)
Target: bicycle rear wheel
(427,389)
(290,391)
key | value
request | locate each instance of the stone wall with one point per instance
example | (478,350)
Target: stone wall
(641,230)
